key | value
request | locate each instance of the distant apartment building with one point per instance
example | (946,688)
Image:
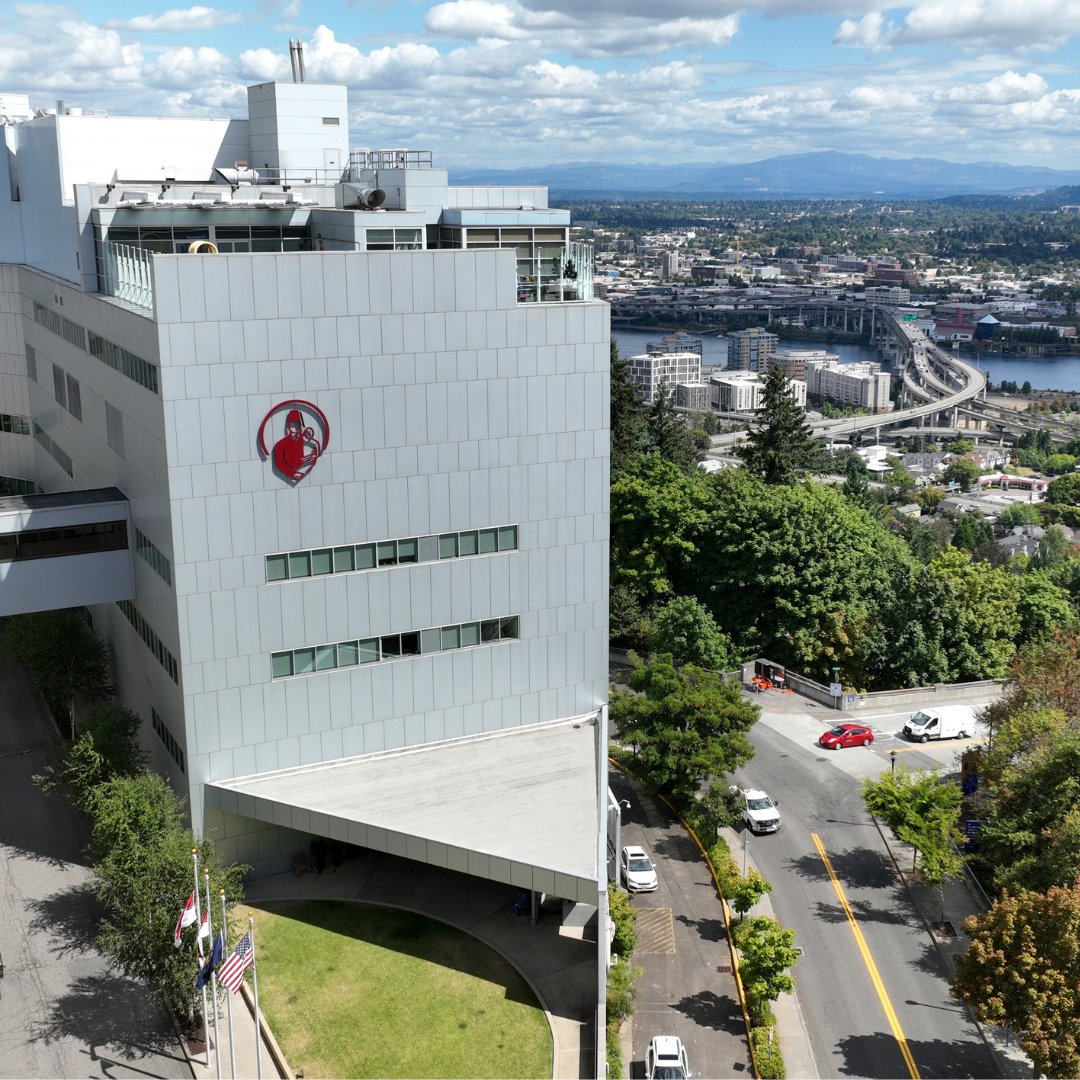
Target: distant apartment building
(793,361)
(864,385)
(680,341)
(669,264)
(887,294)
(675,369)
(893,275)
(740,391)
(751,350)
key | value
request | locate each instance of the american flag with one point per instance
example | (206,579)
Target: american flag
(232,971)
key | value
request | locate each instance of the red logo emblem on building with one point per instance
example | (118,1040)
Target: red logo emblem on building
(300,441)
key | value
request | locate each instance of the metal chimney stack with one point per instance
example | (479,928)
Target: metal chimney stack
(296,56)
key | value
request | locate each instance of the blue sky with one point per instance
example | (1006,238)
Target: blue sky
(513,83)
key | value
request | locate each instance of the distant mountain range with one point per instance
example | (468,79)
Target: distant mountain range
(828,174)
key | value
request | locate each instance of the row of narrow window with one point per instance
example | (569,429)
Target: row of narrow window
(57,453)
(150,639)
(157,561)
(116,356)
(346,654)
(176,751)
(292,565)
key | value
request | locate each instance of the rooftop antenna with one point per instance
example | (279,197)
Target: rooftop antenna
(296,56)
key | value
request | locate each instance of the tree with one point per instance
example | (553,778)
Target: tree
(962,471)
(657,513)
(1064,489)
(958,445)
(1043,607)
(972,532)
(629,437)
(767,952)
(1060,463)
(981,615)
(1020,514)
(748,891)
(1053,549)
(142,861)
(669,436)
(686,724)
(689,633)
(780,447)
(1022,970)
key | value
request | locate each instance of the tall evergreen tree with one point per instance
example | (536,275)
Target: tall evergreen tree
(781,447)
(629,436)
(670,437)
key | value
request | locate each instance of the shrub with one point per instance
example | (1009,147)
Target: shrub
(625,918)
(767,1056)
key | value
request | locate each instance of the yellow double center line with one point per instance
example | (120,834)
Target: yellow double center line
(868,960)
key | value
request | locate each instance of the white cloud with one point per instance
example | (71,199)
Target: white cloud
(871,32)
(183,20)
(1007,24)
(1004,89)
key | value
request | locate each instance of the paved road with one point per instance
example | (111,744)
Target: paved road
(854,1014)
(687,988)
(62,1013)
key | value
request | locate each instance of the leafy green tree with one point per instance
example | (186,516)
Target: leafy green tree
(689,633)
(668,434)
(972,532)
(629,436)
(767,952)
(781,447)
(958,445)
(657,513)
(686,724)
(1060,463)
(624,917)
(1064,489)
(748,892)
(142,861)
(856,487)
(982,615)
(962,471)
(107,746)
(1043,607)
(1022,970)
(630,624)
(1020,514)
(1053,549)
(67,661)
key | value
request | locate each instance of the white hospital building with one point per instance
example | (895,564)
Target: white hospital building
(321,443)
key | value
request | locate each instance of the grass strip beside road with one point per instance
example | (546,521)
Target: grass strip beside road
(868,960)
(356,990)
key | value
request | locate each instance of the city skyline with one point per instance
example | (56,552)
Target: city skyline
(516,84)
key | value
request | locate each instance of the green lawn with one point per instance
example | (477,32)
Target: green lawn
(356,991)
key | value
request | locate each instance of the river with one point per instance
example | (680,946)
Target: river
(1044,372)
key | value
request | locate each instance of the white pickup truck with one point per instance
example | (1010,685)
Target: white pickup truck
(944,722)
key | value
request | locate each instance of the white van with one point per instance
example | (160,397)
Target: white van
(944,722)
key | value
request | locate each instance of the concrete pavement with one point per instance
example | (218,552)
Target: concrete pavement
(63,1012)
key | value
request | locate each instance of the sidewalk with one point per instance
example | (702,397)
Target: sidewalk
(790,1025)
(960,902)
(243,1027)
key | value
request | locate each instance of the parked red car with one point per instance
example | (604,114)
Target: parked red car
(846,735)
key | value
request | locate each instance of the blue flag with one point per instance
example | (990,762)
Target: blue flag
(212,961)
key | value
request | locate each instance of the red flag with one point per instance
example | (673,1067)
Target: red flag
(187,917)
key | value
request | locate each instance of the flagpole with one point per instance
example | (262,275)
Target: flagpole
(228,996)
(213,975)
(255,988)
(198,945)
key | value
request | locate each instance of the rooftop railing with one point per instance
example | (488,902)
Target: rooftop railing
(124,272)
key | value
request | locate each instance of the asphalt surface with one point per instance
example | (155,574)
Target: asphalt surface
(864,1001)
(63,1013)
(687,987)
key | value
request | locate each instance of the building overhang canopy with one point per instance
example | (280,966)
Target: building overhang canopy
(518,806)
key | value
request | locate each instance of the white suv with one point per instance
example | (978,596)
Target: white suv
(638,872)
(759,812)
(666,1059)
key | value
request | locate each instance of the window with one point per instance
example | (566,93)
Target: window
(166,736)
(291,565)
(156,559)
(150,639)
(61,457)
(331,121)
(74,398)
(14,425)
(59,385)
(114,428)
(31,362)
(344,654)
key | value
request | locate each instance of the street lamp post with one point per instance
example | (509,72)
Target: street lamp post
(892,759)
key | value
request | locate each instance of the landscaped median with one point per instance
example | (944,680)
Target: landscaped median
(351,989)
(762,951)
